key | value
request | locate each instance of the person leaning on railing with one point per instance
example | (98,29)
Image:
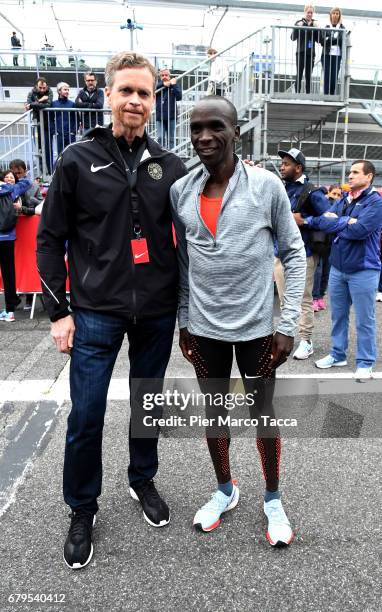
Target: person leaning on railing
(305,52)
(40,97)
(91,97)
(332,46)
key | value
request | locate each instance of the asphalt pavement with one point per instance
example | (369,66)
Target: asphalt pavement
(330,483)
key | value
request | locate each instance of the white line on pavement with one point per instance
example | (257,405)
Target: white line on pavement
(58,390)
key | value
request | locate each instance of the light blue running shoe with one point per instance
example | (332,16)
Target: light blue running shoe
(279,532)
(208,517)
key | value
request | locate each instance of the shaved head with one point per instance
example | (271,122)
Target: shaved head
(219,101)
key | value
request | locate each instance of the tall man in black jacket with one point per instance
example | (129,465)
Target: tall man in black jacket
(91,97)
(109,199)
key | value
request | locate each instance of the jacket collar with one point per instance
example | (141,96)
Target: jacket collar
(104,135)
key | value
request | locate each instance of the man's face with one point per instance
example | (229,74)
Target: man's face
(131,97)
(91,83)
(42,87)
(164,75)
(18,171)
(212,132)
(64,92)
(358,179)
(289,170)
(335,193)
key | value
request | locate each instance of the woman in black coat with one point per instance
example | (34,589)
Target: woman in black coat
(332,40)
(305,52)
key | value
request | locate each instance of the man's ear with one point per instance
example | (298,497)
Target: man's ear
(237,133)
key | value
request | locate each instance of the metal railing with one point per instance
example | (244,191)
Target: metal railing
(17,141)
(238,73)
(308,62)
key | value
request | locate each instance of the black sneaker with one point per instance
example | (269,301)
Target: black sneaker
(155,509)
(78,549)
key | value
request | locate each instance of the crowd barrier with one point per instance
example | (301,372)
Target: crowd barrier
(27,276)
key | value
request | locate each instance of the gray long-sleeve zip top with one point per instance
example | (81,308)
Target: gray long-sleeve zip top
(226,283)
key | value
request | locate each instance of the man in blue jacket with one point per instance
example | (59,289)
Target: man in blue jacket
(356,220)
(311,201)
(63,124)
(167,95)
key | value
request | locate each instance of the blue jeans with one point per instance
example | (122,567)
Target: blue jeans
(97,341)
(358,289)
(166,133)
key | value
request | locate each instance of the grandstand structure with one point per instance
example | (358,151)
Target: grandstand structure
(331,130)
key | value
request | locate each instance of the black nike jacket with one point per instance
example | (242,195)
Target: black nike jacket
(88,210)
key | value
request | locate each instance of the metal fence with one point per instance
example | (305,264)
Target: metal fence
(308,62)
(17,141)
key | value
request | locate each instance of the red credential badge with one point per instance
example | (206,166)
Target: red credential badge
(140,251)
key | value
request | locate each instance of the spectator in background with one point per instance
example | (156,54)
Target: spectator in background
(26,205)
(310,200)
(90,97)
(167,95)
(16,44)
(332,40)
(40,97)
(305,53)
(64,123)
(32,197)
(355,270)
(8,189)
(321,275)
(219,76)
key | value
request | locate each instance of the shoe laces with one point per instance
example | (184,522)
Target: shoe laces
(81,524)
(149,491)
(218,502)
(276,514)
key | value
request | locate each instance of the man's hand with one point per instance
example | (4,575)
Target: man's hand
(27,106)
(166,83)
(331,214)
(62,332)
(173,81)
(44,99)
(185,343)
(352,221)
(17,205)
(281,349)
(298,218)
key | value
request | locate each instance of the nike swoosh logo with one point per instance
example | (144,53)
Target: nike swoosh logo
(246,376)
(141,255)
(94,168)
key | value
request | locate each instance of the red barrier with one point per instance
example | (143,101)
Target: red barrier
(27,277)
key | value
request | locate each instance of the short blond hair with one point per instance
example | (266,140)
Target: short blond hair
(308,6)
(127,59)
(62,84)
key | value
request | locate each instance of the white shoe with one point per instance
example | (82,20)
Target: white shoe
(279,530)
(329,362)
(208,517)
(363,374)
(378,297)
(304,350)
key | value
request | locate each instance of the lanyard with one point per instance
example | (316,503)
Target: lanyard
(132,177)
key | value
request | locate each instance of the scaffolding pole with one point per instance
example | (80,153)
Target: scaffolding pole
(346,120)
